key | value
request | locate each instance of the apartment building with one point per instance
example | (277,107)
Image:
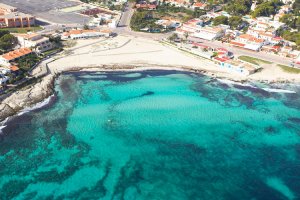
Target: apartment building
(248,42)
(12,56)
(10,17)
(6,9)
(35,41)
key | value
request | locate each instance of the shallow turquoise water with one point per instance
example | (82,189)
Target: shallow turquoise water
(154,135)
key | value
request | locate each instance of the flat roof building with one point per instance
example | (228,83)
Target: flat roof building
(6,9)
(36,41)
(10,17)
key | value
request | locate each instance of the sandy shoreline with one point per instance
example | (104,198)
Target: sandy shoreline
(135,55)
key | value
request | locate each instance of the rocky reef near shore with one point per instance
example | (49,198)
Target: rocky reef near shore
(26,97)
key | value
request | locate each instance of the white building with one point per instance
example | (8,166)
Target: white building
(248,42)
(3,79)
(236,66)
(209,33)
(35,41)
(168,23)
(194,28)
(85,34)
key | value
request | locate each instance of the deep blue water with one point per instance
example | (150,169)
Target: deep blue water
(154,135)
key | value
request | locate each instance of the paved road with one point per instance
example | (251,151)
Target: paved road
(240,51)
(126,16)
(124,26)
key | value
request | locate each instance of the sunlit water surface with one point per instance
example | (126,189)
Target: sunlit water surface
(154,135)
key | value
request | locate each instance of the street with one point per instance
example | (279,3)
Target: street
(240,51)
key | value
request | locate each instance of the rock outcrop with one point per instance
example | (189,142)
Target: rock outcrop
(26,97)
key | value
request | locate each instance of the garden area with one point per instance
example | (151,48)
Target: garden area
(144,20)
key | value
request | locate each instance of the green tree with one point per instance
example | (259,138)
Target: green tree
(288,19)
(267,8)
(220,20)
(297,23)
(238,7)
(235,21)
(86,27)
(8,41)
(296,7)
(3,32)
(173,37)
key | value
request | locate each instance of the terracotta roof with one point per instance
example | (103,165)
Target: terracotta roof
(14,68)
(237,44)
(199,4)
(221,59)
(251,38)
(16,54)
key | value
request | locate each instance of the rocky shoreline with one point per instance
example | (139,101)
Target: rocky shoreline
(35,93)
(27,97)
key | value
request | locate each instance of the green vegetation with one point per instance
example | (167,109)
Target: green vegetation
(296,7)
(267,8)
(143,19)
(179,13)
(291,36)
(49,52)
(235,21)
(252,60)
(28,62)
(173,37)
(220,20)
(289,69)
(7,40)
(23,30)
(238,7)
(291,21)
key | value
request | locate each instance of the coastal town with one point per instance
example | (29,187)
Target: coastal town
(150,99)
(243,40)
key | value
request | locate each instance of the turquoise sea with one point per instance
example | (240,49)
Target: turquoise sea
(154,135)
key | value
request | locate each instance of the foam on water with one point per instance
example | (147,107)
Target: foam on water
(279,90)
(36,106)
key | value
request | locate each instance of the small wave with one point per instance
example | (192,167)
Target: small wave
(36,106)
(279,90)
(26,110)
(2,127)
(229,82)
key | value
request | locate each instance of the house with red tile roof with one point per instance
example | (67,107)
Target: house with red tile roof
(194,27)
(248,42)
(12,56)
(199,5)
(146,6)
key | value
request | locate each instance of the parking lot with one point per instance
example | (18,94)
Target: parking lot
(49,11)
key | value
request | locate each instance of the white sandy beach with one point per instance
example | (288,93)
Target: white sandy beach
(139,52)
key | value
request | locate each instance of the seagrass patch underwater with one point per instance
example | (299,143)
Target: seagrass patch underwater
(154,135)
